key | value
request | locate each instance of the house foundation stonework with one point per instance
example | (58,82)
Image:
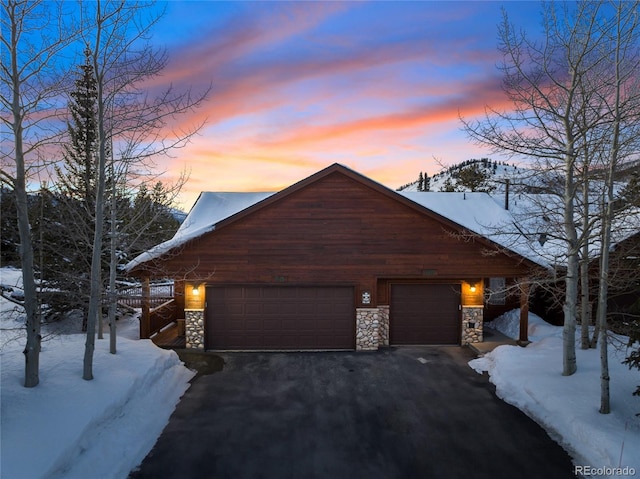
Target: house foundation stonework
(367,329)
(372,328)
(383,325)
(194,328)
(472,324)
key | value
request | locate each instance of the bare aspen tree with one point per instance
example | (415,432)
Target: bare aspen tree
(137,124)
(621,94)
(34,35)
(543,79)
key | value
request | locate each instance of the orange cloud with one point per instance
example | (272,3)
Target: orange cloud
(287,100)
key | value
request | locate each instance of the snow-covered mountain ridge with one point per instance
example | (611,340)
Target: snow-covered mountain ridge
(495,175)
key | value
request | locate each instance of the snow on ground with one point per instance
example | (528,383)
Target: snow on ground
(567,407)
(72,428)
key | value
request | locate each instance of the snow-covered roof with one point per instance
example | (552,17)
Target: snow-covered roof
(209,209)
(531,227)
(477,212)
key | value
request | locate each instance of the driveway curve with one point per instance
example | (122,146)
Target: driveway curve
(406,412)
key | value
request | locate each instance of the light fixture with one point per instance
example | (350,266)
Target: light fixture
(473,288)
(195,291)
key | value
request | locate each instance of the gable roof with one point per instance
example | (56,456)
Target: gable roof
(476,212)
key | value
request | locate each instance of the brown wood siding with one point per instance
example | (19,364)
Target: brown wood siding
(425,314)
(280,317)
(336,229)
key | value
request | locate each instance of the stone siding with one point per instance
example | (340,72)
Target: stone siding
(472,324)
(194,328)
(367,329)
(383,334)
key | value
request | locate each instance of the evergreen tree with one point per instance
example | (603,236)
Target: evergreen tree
(631,192)
(148,205)
(427,182)
(71,231)
(9,237)
(472,178)
(420,182)
(633,360)
(78,177)
(448,186)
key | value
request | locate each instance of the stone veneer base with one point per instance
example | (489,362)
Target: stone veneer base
(367,329)
(472,324)
(383,334)
(194,328)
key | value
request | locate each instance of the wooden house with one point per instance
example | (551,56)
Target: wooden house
(335,261)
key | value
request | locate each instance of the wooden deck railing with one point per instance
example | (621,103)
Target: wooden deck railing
(161,316)
(159,293)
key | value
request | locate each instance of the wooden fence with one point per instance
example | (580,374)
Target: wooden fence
(160,293)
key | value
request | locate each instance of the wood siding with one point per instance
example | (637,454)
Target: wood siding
(338,230)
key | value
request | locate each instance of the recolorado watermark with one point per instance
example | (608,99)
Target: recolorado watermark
(604,471)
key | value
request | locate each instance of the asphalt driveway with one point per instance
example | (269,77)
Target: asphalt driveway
(410,412)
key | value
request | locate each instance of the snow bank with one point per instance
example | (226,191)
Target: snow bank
(509,324)
(72,428)
(567,407)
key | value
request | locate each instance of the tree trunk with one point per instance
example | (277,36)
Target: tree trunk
(32,348)
(145,320)
(96,257)
(569,365)
(113,264)
(32,324)
(593,344)
(602,308)
(585,313)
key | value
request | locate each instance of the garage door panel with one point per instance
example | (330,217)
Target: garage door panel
(251,294)
(251,308)
(307,308)
(280,317)
(231,293)
(325,326)
(425,314)
(292,325)
(233,309)
(270,324)
(252,324)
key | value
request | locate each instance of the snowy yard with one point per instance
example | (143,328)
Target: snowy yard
(567,407)
(71,428)
(67,427)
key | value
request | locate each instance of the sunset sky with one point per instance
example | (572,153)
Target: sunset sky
(297,86)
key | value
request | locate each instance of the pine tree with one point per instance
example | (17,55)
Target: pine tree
(427,182)
(71,232)
(472,178)
(9,237)
(155,205)
(420,182)
(78,178)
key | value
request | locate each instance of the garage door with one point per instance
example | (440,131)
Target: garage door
(425,314)
(280,317)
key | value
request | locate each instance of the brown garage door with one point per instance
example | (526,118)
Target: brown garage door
(425,314)
(280,317)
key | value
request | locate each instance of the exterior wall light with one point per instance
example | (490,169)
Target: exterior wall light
(473,288)
(195,291)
